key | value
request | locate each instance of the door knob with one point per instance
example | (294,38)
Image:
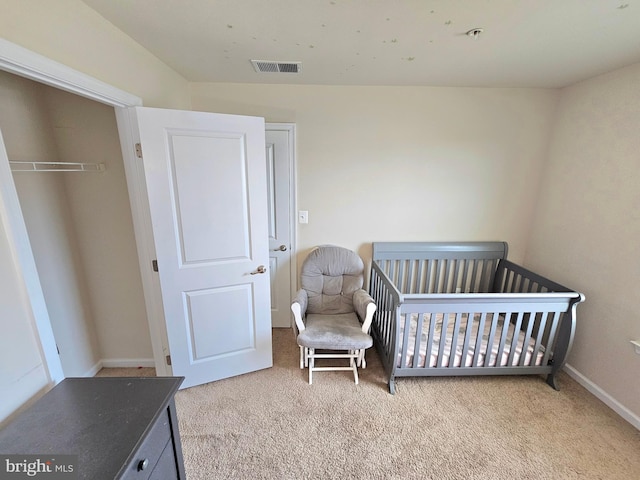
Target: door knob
(281,248)
(260,269)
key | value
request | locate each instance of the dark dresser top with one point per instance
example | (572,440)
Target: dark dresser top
(102,420)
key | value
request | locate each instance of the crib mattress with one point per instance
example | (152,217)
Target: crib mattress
(458,350)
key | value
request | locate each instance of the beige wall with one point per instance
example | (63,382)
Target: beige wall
(587,226)
(406,163)
(86,131)
(70,32)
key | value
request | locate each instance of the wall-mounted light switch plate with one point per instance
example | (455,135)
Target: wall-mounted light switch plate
(303,216)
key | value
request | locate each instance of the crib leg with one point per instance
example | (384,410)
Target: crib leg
(551,380)
(392,386)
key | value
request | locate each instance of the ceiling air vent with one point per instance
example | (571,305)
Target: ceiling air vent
(269,66)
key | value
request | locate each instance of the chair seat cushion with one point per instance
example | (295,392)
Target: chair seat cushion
(334,332)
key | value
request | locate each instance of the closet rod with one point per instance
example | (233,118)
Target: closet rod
(56,167)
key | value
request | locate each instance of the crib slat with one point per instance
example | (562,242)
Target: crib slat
(525,341)
(436,285)
(454,271)
(484,279)
(419,277)
(508,282)
(390,269)
(551,338)
(443,339)
(388,324)
(447,270)
(476,356)
(492,334)
(474,276)
(454,340)
(467,338)
(541,329)
(401,282)
(499,281)
(418,339)
(514,340)
(515,283)
(503,337)
(428,286)
(465,272)
(528,289)
(430,338)
(406,321)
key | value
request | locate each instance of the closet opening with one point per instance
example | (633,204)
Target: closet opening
(67,166)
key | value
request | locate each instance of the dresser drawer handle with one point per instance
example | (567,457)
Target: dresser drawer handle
(142,464)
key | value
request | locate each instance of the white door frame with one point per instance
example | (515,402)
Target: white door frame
(290,128)
(26,63)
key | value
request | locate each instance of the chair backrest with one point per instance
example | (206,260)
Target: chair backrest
(331,275)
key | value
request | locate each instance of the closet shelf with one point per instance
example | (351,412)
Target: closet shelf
(56,167)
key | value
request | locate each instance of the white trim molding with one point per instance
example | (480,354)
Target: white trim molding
(603,396)
(293,196)
(128,362)
(20,61)
(119,363)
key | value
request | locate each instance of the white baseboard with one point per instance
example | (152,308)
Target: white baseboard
(607,399)
(94,369)
(127,362)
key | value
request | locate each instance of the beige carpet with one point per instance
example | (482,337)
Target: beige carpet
(271,424)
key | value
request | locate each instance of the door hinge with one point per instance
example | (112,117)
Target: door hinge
(138,150)
(154,265)
(168,359)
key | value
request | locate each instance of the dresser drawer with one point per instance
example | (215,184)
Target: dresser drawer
(166,468)
(146,458)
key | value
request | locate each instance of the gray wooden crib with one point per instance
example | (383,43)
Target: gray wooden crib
(462,308)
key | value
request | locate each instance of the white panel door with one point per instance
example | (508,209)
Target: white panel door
(279,149)
(207,189)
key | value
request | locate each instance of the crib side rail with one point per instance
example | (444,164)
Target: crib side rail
(486,334)
(513,278)
(438,267)
(383,328)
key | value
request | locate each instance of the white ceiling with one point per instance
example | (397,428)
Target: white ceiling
(525,43)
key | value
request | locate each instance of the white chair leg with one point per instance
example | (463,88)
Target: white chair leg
(311,361)
(301,357)
(355,371)
(363,361)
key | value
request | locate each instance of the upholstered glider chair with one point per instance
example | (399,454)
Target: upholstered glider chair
(332,312)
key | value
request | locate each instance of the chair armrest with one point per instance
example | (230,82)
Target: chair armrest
(365,307)
(299,309)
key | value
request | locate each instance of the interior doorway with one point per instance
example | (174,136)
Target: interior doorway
(280,157)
